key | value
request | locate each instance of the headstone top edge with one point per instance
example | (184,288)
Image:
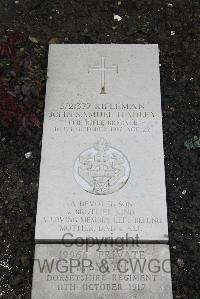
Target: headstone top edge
(103,45)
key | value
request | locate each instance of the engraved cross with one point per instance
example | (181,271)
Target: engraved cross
(103,70)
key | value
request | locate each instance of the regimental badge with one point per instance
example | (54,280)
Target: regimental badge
(101,169)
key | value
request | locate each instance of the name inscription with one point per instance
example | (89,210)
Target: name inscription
(104,117)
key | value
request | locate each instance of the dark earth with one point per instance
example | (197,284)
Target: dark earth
(174,25)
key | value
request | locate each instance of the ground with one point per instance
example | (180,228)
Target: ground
(174,25)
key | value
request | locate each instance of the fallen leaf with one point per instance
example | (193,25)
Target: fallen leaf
(33,39)
(54,40)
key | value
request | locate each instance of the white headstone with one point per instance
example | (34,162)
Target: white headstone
(102,166)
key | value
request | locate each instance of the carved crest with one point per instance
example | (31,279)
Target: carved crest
(101,169)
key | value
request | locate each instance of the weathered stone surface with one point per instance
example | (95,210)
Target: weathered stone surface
(102,271)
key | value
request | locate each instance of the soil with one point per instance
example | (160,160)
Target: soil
(174,25)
